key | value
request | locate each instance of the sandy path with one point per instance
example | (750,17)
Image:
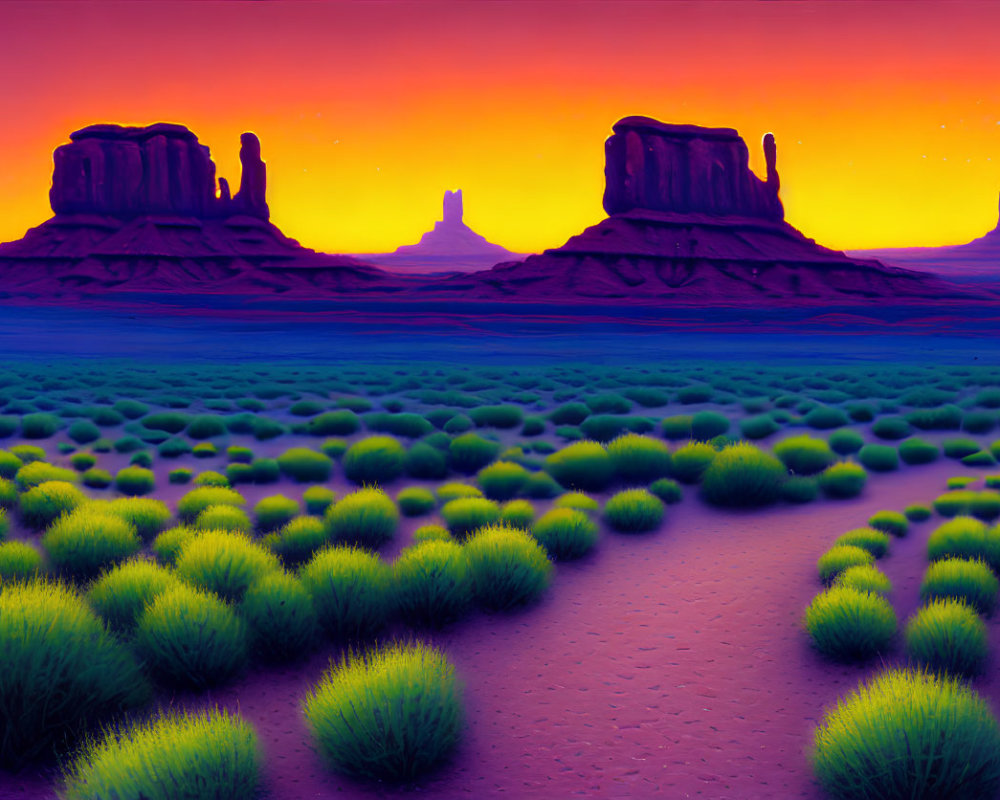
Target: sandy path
(665,665)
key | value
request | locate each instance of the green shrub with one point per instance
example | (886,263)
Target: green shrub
(677,427)
(864,578)
(608,404)
(197,500)
(223,518)
(280,617)
(366,517)
(582,465)
(845,441)
(961,579)
(224,562)
(146,515)
(707,425)
(947,636)
(350,590)
(981,459)
(181,475)
(38,472)
(502,479)
(666,489)
(890,522)
(460,423)
(8,493)
(945,418)
(979,421)
(389,714)
(296,542)
(97,478)
(127,444)
(569,414)
(691,460)
(470,452)
(507,567)
(191,638)
(565,533)
(879,457)
(955,502)
(265,429)
(88,540)
(959,447)
(891,428)
(985,505)
(694,393)
(758,427)
(211,478)
(318,499)
(173,448)
(874,541)
(846,624)
(917,513)
(28,452)
(412,426)
(377,459)
(741,475)
(837,559)
(415,501)
(505,416)
(533,426)
(918,451)
(908,734)
(965,537)
(305,465)
(122,593)
(9,464)
(168,545)
(131,409)
(799,489)
(275,511)
(135,481)
(205,426)
(517,514)
(633,511)
(431,583)
(167,421)
(825,417)
(426,462)
(61,669)
(843,480)
(40,426)
(335,423)
(639,458)
(210,754)
(453,491)
(203,450)
(432,533)
(142,459)
(465,515)
(81,462)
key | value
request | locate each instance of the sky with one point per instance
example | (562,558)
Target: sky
(886,114)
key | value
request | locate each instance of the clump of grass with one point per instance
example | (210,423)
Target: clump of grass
(985,505)
(432,583)
(694,393)
(366,517)
(825,417)
(9,464)
(470,452)
(804,455)
(376,459)
(261,470)
(389,714)
(503,416)
(350,590)
(917,513)
(426,461)
(640,459)
(864,578)
(432,533)
(666,489)
(960,447)
(879,457)
(507,567)
(800,489)
(908,734)
(318,499)
(181,475)
(453,491)
(677,427)
(918,451)
(280,616)
(36,472)
(502,480)
(707,425)
(135,481)
(845,441)
(83,543)
(947,636)
(965,537)
(122,593)
(305,465)
(970,581)
(296,542)
(843,480)
(168,545)
(874,541)
(691,460)
(541,486)
(197,500)
(174,448)
(889,522)
(142,459)
(565,533)
(517,514)
(335,423)
(62,671)
(837,559)
(210,754)
(28,452)
(846,624)
(223,518)
(415,501)
(467,514)
(275,511)
(81,462)
(190,638)
(954,502)
(891,428)
(633,511)
(583,465)
(741,475)
(19,561)
(146,515)
(981,459)
(97,478)
(166,421)
(8,493)
(40,426)
(224,562)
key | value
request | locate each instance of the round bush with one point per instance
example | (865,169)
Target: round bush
(81,462)
(389,714)
(9,464)
(181,475)
(350,590)
(39,426)
(465,515)
(197,500)
(470,452)
(212,478)
(909,734)
(432,583)
(416,501)
(677,427)
(142,459)
(181,757)
(864,578)
(582,465)
(947,636)
(845,441)
(837,559)
(891,428)
(691,460)
(961,579)
(223,518)
(666,489)
(743,476)
(502,480)
(953,503)
(497,416)
(335,423)
(318,499)
(843,480)
(135,481)
(845,623)
(305,465)
(121,594)
(541,486)
(517,514)
(296,542)
(918,451)
(167,421)
(758,427)
(38,472)
(167,545)
(366,517)
(825,417)
(453,491)
(8,493)
(62,671)
(633,511)
(274,511)
(565,533)
(804,455)
(694,393)
(874,541)
(279,614)
(889,522)
(879,457)
(146,515)
(191,638)
(639,459)
(460,423)
(97,478)
(83,543)
(917,513)
(507,567)
(985,505)
(965,537)
(224,562)
(432,533)
(707,425)
(205,426)
(173,448)
(799,489)
(377,459)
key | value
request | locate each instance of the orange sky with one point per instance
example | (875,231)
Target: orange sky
(886,115)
